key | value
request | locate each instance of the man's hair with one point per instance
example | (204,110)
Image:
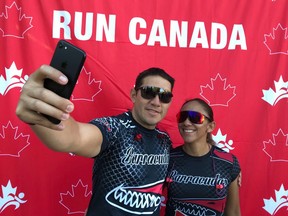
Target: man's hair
(153,72)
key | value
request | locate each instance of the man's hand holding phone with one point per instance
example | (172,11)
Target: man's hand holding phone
(44,99)
(35,99)
(68,59)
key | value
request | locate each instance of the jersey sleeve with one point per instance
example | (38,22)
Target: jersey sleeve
(108,128)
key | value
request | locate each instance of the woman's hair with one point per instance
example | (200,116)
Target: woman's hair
(209,112)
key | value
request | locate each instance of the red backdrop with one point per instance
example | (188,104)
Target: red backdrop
(233,54)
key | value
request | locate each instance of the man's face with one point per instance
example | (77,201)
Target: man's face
(148,112)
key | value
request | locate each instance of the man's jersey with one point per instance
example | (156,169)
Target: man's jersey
(199,185)
(130,170)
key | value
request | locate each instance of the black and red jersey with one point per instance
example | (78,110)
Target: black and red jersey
(130,170)
(199,185)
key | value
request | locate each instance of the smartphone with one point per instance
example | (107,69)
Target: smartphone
(68,59)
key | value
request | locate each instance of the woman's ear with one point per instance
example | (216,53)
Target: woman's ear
(133,95)
(211,126)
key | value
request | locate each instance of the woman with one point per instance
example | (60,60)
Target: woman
(202,178)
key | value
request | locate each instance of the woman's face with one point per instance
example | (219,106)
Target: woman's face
(192,132)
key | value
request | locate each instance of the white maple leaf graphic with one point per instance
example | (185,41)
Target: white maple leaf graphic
(12,142)
(221,142)
(13,22)
(277,147)
(86,88)
(218,93)
(13,79)
(277,41)
(273,206)
(70,199)
(281,91)
(10,197)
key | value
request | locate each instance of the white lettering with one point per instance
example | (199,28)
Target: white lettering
(221,41)
(198,180)
(88,26)
(61,20)
(108,29)
(238,30)
(132,158)
(157,34)
(101,26)
(176,33)
(199,36)
(83,28)
(136,21)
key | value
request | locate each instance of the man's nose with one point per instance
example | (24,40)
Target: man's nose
(156,100)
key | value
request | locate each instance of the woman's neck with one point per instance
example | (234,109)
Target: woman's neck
(197,150)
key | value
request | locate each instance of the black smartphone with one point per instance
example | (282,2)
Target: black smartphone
(68,59)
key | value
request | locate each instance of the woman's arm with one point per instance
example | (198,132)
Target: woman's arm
(232,207)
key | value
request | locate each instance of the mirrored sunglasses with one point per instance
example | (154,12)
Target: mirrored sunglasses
(193,116)
(150,92)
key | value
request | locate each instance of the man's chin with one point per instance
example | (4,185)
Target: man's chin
(153,121)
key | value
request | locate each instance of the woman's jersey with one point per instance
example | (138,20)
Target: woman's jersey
(199,185)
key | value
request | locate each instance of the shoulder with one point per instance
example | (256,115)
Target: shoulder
(223,155)
(110,119)
(230,159)
(161,134)
(176,151)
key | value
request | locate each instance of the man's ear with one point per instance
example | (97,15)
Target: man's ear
(133,95)
(211,126)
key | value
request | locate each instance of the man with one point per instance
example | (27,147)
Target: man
(130,154)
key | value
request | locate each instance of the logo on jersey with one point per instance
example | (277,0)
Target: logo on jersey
(274,96)
(10,197)
(273,206)
(225,92)
(185,208)
(133,158)
(143,199)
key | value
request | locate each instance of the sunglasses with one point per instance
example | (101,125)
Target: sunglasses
(150,92)
(194,117)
